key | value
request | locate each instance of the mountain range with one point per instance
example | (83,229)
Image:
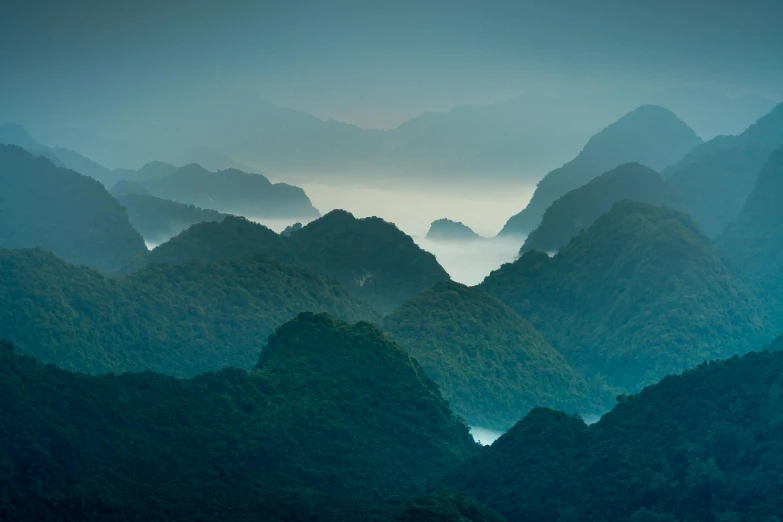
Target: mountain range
(650,135)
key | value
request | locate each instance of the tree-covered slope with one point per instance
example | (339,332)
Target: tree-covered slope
(753,242)
(702,446)
(578,209)
(158,220)
(445,506)
(490,364)
(42,205)
(232,191)
(448,230)
(650,135)
(212,240)
(640,294)
(175,319)
(335,423)
(715,179)
(370,257)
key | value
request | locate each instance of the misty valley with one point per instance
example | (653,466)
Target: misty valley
(477,262)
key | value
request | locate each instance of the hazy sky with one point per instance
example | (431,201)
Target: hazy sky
(374,63)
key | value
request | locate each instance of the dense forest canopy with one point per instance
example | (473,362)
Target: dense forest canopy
(640,294)
(703,446)
(650,135)
(42,205)
(336,423)
(174,319)
(370,257)
(489,363)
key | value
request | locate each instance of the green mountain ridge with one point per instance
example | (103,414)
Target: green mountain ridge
(704,445)
(42,205)
(179,320)
(335,423)
(370,257)
(640,294)
(753,242)
(489,363)
(714,180)
(579,209)
(650,135)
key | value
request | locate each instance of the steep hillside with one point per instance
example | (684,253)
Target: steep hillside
(336,423)
(42,205)
(371,257)
(229,238)
(175,319)
(158,220)
(715,179)
(753,242)
(702,446)
(489,363)
(650,135)
(640,294)
(578,209)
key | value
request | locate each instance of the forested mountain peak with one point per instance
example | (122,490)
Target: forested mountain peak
(640,294)
(650,135)
(578,209)
(687,448)
(489,363)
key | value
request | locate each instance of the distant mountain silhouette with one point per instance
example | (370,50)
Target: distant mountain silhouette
(711,112)
(650,135)
(74,216)
(714,180)
(448,230)
(753,242)
(125,188)
(490,364)
(232,191)
(578,209)
(158,220)
(640,294)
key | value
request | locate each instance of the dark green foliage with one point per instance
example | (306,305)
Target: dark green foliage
(754,241)
(704,446)
(448,230)
(54,208)
(176,319)
(714,180)
(158,220)
(579,208)
(489,363)
(650,135)
(370,257)
(232,191)
(231,238)
(445,506)
(335,424)
(640,294)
